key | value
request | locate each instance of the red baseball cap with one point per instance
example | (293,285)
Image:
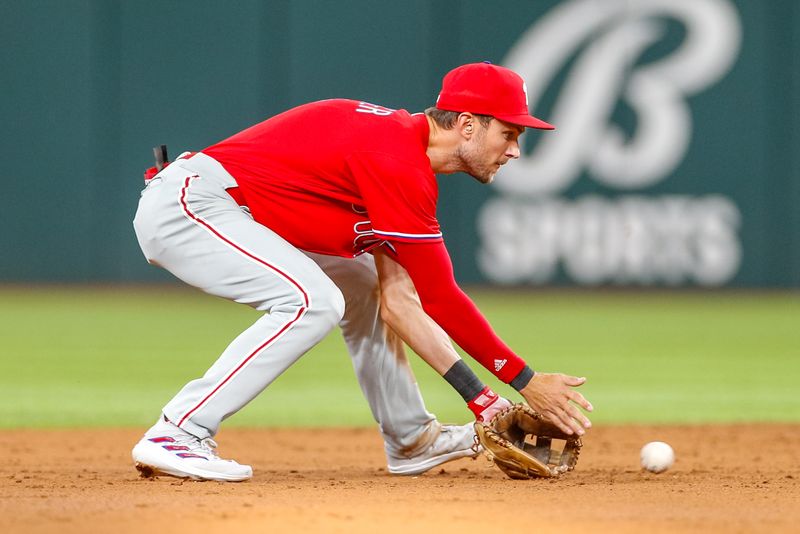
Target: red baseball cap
(488,89)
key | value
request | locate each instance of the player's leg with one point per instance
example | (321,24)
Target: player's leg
(414,439)
(187,224)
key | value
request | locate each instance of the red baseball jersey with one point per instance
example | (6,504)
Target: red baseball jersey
(341,177)
(337,176)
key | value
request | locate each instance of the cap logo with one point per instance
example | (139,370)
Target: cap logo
(525,90)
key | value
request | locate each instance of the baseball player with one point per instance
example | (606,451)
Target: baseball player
(303,216)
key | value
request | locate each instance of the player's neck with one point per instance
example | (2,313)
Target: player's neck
(442,148)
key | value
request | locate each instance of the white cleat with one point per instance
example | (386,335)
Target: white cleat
(168,450)
(453,442)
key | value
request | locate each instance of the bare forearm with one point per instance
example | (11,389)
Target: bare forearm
(402,311)
(427,339)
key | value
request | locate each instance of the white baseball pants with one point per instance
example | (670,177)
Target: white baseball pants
(188,224)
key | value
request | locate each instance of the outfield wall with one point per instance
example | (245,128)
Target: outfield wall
(675,161)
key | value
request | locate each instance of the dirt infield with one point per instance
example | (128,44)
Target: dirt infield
(726,479)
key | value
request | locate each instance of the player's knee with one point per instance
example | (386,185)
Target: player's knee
(324,306)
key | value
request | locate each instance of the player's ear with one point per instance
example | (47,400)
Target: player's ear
(466,124)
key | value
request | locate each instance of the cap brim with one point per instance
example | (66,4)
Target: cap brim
(527,121)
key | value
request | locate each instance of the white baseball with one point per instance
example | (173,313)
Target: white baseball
(657,456)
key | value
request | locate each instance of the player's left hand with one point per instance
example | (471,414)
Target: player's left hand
(552,395)
(505,442)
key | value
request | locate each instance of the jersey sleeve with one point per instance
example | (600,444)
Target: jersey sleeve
(431,270)
(400,197)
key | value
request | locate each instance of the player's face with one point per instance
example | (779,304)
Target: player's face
(490,148)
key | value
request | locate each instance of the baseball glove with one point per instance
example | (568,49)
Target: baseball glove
(504,441)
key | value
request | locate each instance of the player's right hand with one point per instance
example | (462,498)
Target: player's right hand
(553,396)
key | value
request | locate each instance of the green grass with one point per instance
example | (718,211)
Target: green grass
(81,356)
